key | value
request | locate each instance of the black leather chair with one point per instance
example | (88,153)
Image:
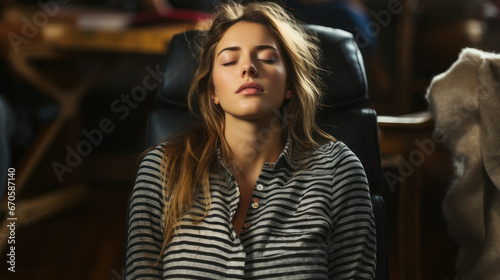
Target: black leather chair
(346,115)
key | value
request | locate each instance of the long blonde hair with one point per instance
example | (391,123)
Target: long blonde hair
(189,157)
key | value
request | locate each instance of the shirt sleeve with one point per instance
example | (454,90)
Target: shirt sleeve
(144,236)
(352,241)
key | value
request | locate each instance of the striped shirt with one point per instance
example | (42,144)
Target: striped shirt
(312,222)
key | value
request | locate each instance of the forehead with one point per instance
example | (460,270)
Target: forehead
(247,34)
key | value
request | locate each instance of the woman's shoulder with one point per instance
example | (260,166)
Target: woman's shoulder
(344,165)
(147,190)
(150,165)
(334,148)
(338,153)
(153,154)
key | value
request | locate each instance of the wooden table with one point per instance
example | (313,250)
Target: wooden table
(56,39)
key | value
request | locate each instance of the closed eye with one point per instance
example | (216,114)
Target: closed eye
(228,63)
(267,60)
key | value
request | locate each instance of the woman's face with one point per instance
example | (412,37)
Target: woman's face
(249,72)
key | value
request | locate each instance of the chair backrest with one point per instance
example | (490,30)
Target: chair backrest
(346,115)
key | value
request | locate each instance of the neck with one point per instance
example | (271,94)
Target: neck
(253,143)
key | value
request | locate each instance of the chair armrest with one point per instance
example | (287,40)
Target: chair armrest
(398,133)
(419,120)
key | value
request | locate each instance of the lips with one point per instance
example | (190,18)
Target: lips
(250,88)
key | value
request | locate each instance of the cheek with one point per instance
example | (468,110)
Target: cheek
(220,80)
(215,77)
(280,79)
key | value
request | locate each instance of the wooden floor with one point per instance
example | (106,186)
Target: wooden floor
(87,241)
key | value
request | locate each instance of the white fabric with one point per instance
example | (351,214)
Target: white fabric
(465,103)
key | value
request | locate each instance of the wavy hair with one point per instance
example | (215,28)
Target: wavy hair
(189,157)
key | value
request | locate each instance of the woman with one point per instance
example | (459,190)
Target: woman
(256,190)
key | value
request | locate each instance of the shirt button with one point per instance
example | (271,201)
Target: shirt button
(260,187)
(247,225)
(270,165)
(255,203)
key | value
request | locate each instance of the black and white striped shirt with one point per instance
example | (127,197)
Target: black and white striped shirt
(313,222)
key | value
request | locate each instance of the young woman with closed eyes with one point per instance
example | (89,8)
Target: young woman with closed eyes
(256,190)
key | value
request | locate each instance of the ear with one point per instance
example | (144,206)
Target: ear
(214,97)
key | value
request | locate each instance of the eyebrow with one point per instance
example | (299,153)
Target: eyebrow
(259,47)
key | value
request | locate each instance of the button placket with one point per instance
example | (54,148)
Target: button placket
(233,184)
(255,203)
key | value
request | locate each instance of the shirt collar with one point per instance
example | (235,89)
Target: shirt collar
(285,158)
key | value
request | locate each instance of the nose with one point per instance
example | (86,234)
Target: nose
(250,70)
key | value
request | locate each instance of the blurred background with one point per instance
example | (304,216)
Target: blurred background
(77,79)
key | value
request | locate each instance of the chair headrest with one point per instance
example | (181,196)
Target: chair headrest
(345,78)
